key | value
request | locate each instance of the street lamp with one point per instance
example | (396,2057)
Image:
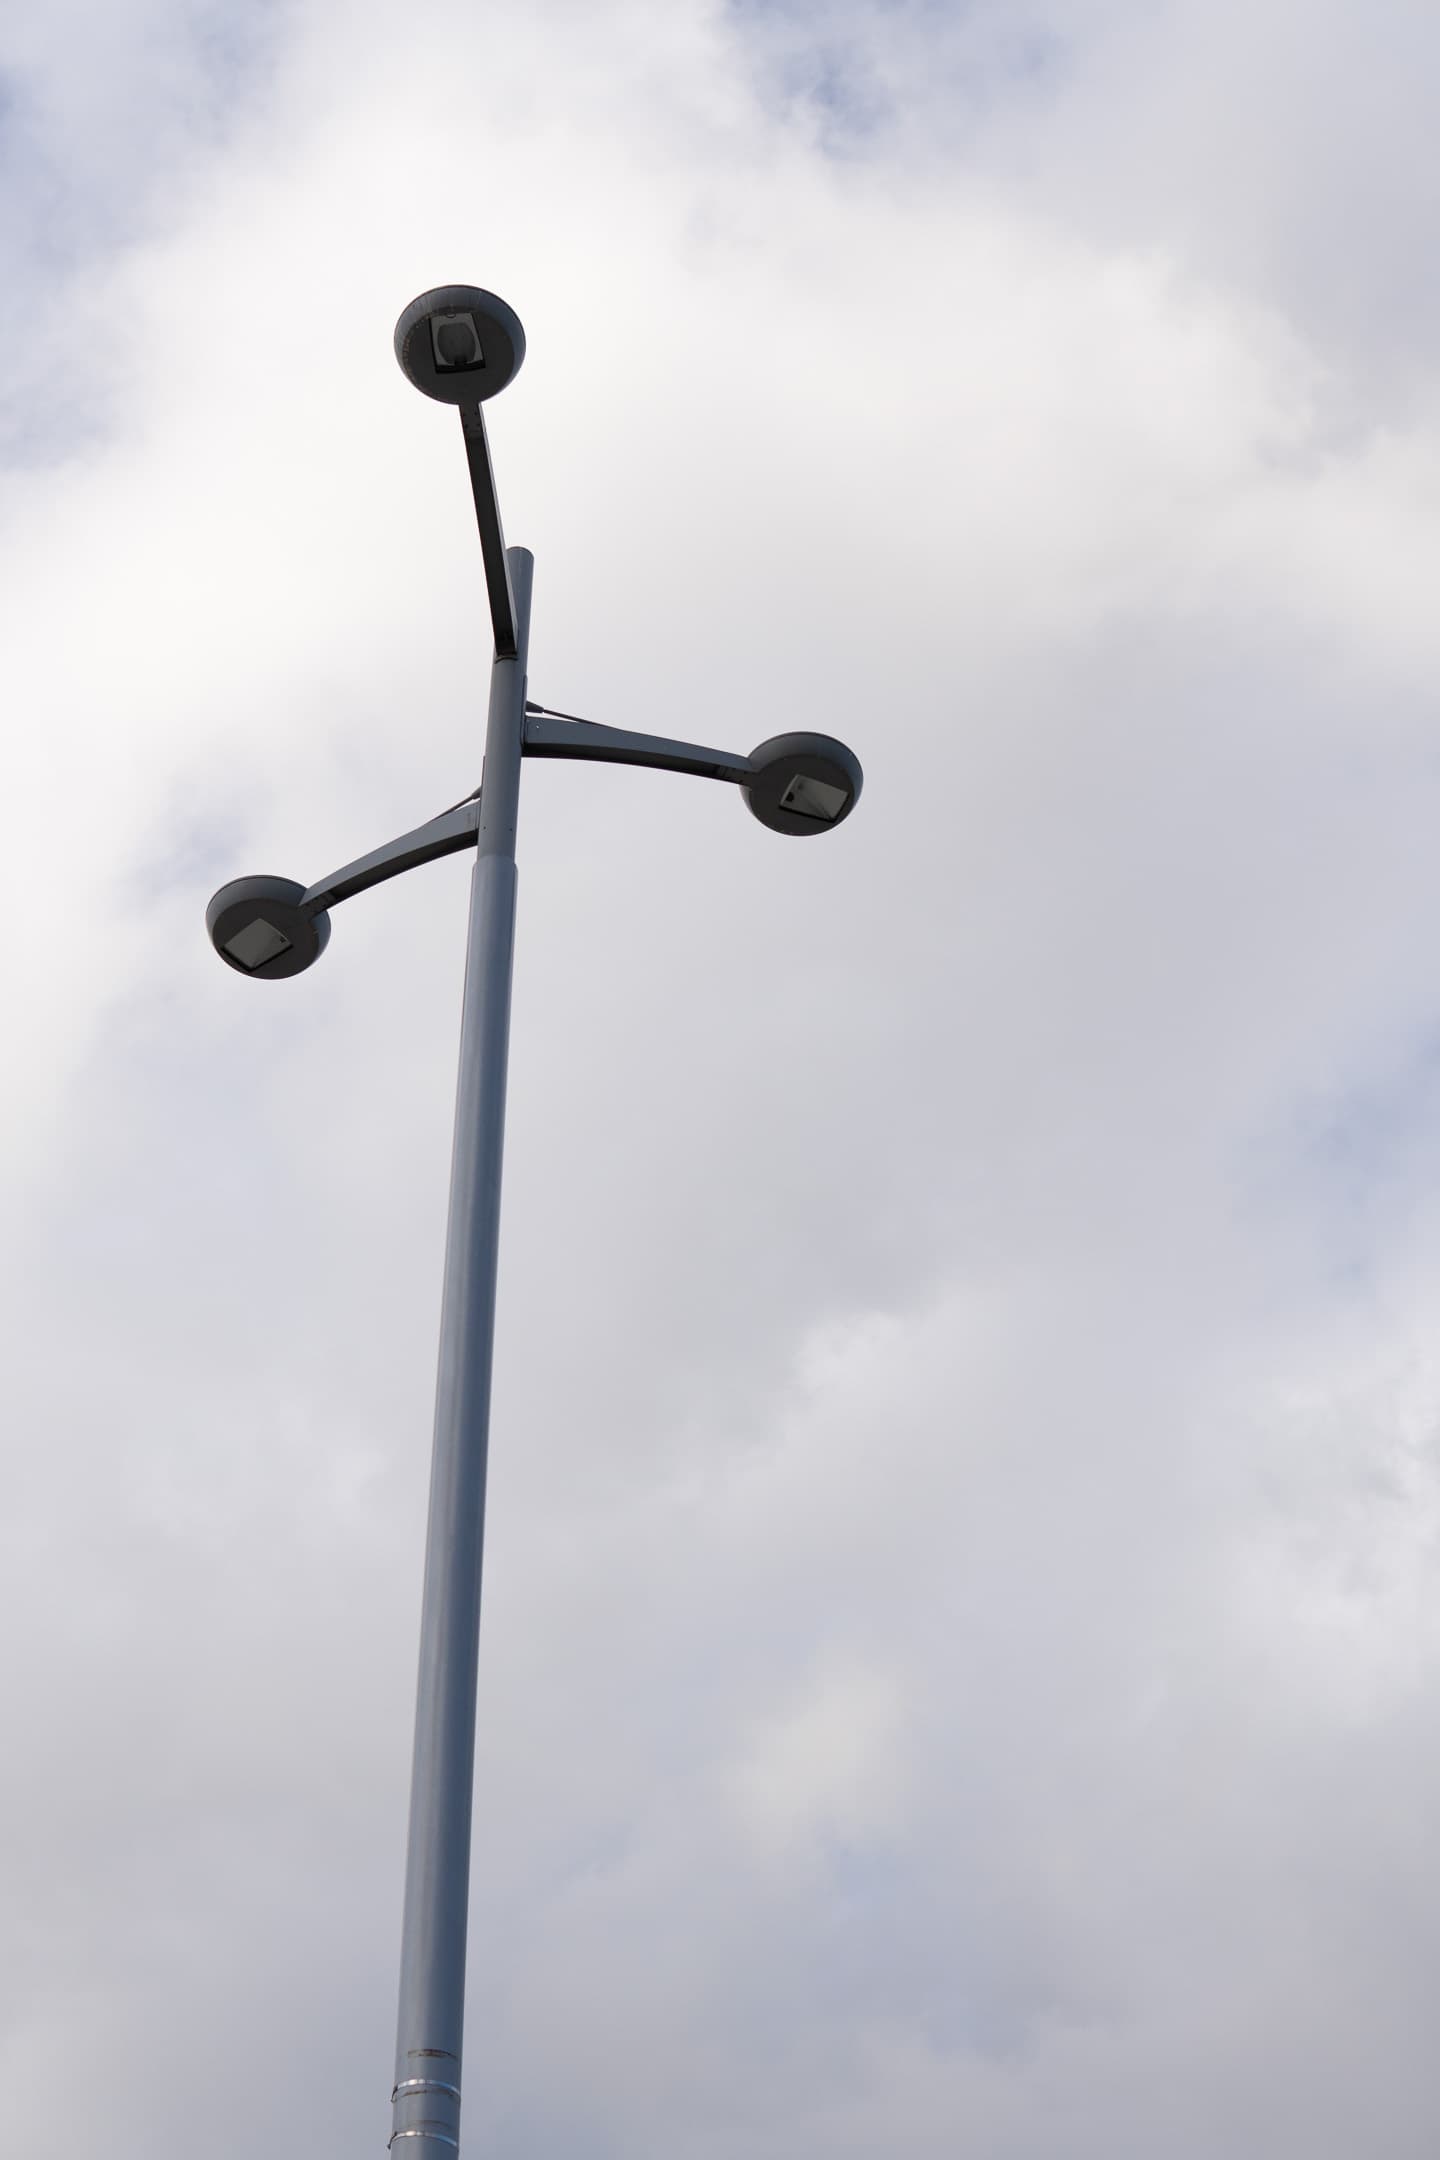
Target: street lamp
(461,346)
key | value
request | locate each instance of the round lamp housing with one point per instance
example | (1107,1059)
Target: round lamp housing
(459,344)
(259,928)
(803,783)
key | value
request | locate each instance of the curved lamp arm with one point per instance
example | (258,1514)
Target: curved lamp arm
(444,835)
(492,537)
(272,927)
(547,735)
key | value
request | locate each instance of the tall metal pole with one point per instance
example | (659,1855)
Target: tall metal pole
(426,2099)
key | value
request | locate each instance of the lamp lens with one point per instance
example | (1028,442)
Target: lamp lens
(814,798)
(455,341)
(258,942)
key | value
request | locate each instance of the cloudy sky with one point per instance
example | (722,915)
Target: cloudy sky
(962,1620)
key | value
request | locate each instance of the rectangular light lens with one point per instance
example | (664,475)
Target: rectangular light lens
(455,341)
(814,798)
(258,942)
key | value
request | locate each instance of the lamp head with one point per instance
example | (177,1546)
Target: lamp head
(459,344)
(259,928)
(803,784)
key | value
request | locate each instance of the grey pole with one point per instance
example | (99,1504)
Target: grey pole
(426,2098)
(462,346)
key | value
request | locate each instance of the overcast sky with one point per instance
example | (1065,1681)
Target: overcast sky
(959,1663)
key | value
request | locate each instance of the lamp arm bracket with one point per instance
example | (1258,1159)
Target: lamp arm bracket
(545,736)
(552,737)
(444,835)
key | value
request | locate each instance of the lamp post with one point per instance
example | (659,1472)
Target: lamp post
(462,346)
